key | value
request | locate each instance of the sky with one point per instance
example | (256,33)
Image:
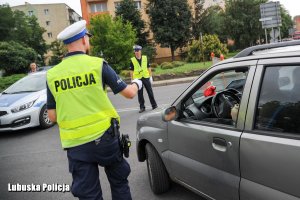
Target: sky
(293,6)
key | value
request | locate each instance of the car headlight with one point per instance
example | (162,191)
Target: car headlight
(23,107)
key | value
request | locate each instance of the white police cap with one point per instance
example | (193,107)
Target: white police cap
(73,32)
(137,47)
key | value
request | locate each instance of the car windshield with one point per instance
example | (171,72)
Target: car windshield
(30,83)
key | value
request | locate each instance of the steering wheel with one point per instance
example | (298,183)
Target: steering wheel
(222,103)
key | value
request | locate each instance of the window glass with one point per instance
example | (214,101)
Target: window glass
(138,4)
(217,100)
(30,13)
(30,83)
(278,107)
(46,11)
(98,7)
(47,23)
(50,35)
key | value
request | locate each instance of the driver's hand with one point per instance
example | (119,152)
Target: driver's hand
(234,112)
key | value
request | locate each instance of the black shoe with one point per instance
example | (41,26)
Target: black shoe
(154,107)
(142,110)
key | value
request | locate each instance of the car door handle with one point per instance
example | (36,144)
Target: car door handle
(219,144)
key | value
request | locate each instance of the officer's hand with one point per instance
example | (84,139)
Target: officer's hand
(151,80)
(138,83)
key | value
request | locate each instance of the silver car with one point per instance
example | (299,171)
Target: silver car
(234,133)
(23,104)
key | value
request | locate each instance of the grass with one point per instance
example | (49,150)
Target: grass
(231,54)
(188,67)
(6,81)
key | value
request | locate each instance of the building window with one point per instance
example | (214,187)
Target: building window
(30,12)
(98,7)
(117,5)
(46,11)
(48,23)
(138,5)
(50,35)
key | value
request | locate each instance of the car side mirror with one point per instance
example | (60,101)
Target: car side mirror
(169,114)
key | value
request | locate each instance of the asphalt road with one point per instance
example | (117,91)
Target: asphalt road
(35,156)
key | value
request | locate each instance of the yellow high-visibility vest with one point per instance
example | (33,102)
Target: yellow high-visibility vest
(140,71)
(83,110)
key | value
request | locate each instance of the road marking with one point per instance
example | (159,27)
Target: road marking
(135,108)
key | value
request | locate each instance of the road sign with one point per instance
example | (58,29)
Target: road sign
(265,19)
(274,33)
(270,10)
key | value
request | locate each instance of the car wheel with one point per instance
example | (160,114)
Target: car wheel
(44,119)
(158,175)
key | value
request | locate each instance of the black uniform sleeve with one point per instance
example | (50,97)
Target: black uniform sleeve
(51,104)
(111,78)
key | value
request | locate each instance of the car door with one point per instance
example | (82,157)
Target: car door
(270,144)
(204,156)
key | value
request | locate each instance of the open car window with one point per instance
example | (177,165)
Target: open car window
(217,100)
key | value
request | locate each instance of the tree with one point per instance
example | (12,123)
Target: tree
(28,32)
(287,22)
(6,23)
(170,22)
(16,26)
(15,58)
(128,11)
(58,50)
(36,40)
(208,21)
(112,40)
(242,23)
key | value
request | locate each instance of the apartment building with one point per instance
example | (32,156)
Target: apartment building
(297,22)
(53,17)
(95,7)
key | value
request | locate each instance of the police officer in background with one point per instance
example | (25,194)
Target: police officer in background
(140,69)
(77,100)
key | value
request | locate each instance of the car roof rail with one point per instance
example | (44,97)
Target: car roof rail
(249,51)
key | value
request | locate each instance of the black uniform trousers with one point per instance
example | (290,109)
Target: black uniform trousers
(147,84)
(83,164)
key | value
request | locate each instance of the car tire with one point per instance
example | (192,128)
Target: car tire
(158,175)
(44,119)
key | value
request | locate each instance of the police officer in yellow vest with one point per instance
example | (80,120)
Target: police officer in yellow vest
(140,69)
(77,100)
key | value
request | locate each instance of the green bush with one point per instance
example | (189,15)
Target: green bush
(125,73)
(178,63)
(194,53)
(171,65)
(5,82)
(198,51)
(153,65)
(15,58)
(167,65)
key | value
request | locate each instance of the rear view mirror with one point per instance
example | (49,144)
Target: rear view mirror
(169,114)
